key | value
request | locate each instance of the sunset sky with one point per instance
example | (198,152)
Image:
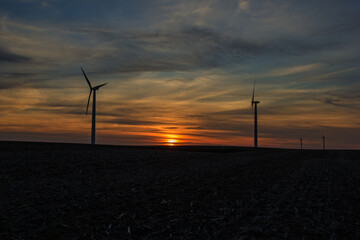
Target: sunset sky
(181,72)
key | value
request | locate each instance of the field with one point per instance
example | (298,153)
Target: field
(74,191)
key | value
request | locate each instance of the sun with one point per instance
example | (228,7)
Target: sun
(171,142)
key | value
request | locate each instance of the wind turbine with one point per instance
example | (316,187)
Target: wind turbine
(92,90)
(255,116)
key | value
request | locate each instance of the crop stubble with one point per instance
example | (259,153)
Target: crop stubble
(64,191)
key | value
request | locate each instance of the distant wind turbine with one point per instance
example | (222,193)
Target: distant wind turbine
(301,146)
(92,89)
(253,102)
(323,142)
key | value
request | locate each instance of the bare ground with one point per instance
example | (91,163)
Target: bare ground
(72,191)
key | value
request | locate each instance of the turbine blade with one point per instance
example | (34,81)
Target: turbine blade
(87,107)
(99,86)
(86,77)
(252,99)
(253,94)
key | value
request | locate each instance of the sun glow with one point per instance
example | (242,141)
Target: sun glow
(171,142)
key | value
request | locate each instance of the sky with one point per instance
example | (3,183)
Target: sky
(181,72)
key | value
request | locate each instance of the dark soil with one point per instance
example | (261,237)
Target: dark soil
(74,191)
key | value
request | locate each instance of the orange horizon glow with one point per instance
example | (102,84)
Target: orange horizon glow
(50,127)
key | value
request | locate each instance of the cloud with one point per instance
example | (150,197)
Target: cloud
(334,74)
(345,98)
(195,128)
(133,121)
(170,128)
(15,79)
(292,47)
(188,49)
(8,56)
(137,51)
(295,69)
(243,5)
(191,48)
(335,102)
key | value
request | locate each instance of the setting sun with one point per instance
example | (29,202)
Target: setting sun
(171,142)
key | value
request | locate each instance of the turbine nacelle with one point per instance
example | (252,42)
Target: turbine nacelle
(99,86)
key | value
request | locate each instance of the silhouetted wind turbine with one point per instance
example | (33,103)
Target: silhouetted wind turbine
(92,89)
(323,138)
(255,116)
(301,143)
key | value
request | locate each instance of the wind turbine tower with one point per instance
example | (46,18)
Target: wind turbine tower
(254,110)
(323,138)
(301,143)
(92,90)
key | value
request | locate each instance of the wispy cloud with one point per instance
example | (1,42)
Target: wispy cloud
(8,56)
(190,48)
(243,5)
(295,69)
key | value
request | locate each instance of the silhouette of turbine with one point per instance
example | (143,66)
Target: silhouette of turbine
(253,102)
(92,90)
